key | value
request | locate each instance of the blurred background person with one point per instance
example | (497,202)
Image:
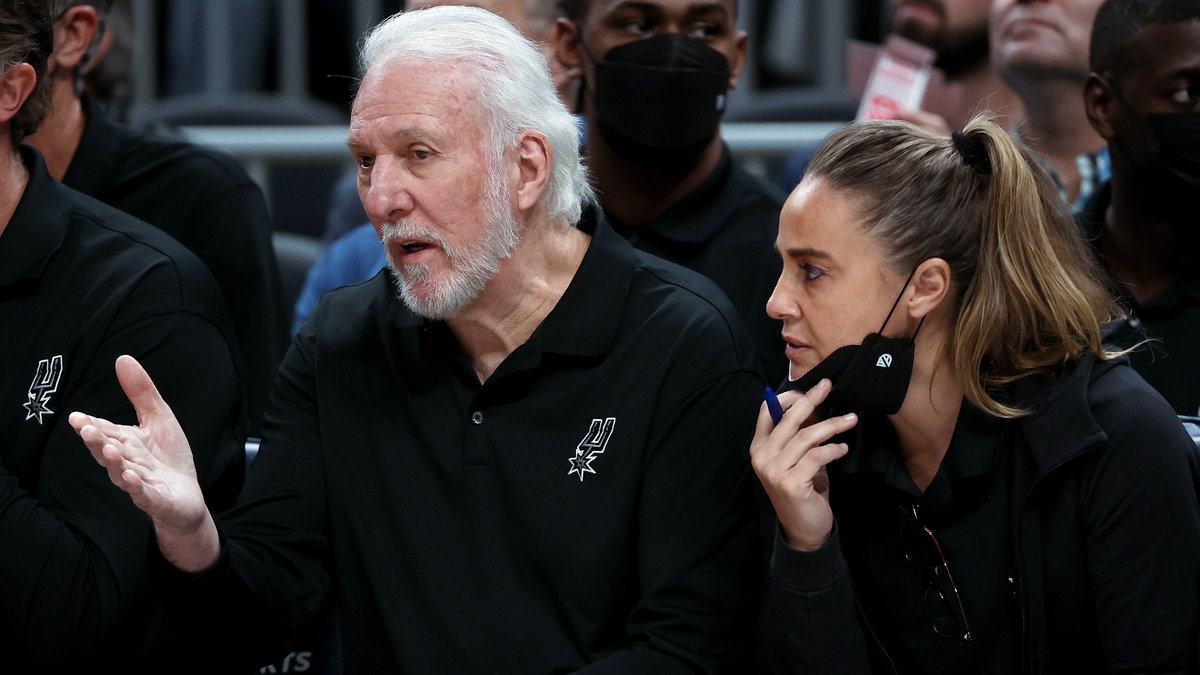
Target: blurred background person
(1040,48)
(654,79)
(1143,98)
(957,30)
(202,198)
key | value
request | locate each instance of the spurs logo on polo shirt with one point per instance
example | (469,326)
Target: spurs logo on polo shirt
(45,383)
(592,446)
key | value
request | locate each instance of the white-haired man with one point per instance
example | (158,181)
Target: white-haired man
(532,461)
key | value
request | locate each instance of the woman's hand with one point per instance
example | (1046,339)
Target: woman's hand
(790,460)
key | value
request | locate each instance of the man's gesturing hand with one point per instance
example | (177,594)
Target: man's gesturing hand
(153,463)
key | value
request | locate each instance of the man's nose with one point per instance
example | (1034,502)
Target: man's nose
(386,195)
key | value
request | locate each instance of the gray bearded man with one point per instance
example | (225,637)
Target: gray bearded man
(528,462)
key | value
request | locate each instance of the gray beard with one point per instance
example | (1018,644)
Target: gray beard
(472,264)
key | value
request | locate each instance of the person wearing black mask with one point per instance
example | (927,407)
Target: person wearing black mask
(1143,97)
(654,81)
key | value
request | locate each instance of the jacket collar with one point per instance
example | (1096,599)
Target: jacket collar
(1061,426)
(38,226)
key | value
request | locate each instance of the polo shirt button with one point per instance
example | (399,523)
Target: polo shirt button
(477,417)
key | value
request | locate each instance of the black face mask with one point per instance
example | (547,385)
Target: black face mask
(659,100)
(1173,143)
(1170,173)
(869,378)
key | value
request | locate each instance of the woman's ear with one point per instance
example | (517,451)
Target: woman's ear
(931,287)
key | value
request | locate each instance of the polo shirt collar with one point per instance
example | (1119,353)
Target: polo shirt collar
(585,320)
(92,166)
(697,217)
(38,226)
(972,453)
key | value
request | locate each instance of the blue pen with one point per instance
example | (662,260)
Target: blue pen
(773,406)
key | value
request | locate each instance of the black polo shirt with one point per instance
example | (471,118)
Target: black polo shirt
(726,229)
(1171,319)
(967,506)
(206,201)
(591,503)
(80,284)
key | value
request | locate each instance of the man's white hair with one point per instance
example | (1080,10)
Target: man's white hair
(515,91)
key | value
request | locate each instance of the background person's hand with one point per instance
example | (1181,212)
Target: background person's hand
(153,463)
(931,122)
(790,460)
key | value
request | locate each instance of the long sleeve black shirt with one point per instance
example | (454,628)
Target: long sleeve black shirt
(586,509)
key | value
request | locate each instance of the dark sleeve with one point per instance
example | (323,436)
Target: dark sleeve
(231,232)
(809,622)
(699,560)
(1142,529)
(272,576)
(74,566)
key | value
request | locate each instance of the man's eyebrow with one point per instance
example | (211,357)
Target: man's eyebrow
(417,133)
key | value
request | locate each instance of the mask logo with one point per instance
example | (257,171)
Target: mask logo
(884,361)
(592,446)
(44,385)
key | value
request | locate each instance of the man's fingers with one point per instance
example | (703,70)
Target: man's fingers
(140,389)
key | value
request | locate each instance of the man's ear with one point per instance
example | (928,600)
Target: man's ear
(73,34)
(739,61)
(567,47)
(1098,99)
(534,161)
(931,284)
(16,84)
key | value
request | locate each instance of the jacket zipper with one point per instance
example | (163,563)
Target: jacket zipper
(1024,591)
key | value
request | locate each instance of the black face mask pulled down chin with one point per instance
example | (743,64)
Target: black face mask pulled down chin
(868,378)
(659,100)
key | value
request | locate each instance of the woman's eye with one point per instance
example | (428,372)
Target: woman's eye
(812,273)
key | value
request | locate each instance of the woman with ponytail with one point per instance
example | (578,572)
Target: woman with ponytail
(965,479)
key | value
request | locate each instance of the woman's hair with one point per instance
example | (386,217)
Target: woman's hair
(1028,293)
